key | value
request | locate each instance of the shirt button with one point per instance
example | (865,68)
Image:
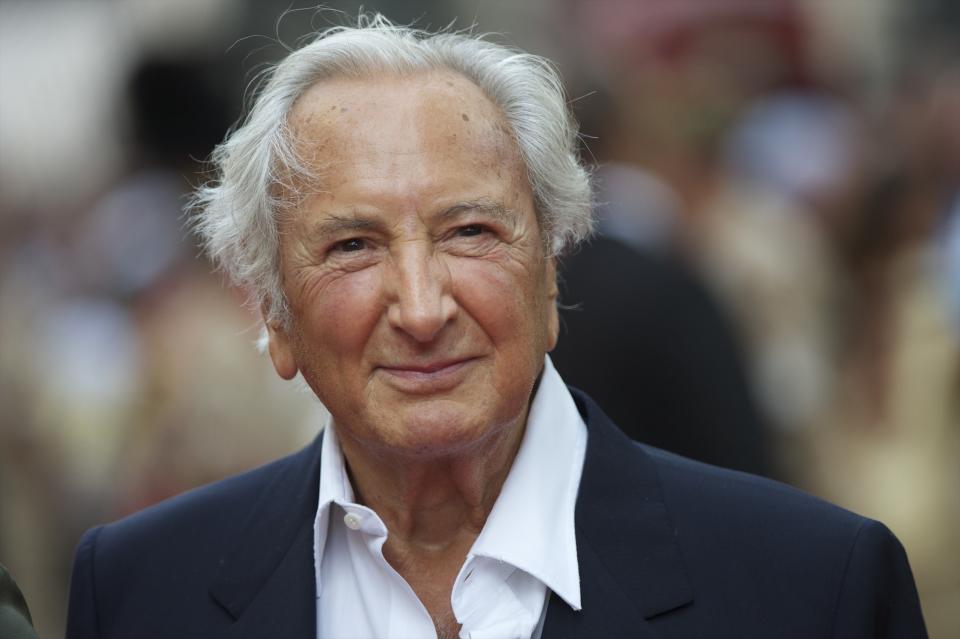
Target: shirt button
(352,521)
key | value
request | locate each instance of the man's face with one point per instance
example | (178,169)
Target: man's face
(421,299)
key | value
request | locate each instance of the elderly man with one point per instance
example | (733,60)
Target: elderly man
(395,202)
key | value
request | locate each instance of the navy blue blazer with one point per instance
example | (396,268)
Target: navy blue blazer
(667,547)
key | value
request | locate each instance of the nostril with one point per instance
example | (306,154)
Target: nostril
(422,322)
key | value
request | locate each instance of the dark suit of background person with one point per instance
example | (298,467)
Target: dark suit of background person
(667,547)
(15,621)
(646,340)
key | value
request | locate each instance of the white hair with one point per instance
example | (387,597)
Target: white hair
(237,214)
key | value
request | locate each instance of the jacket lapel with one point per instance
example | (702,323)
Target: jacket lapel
(266,581)
(630,564)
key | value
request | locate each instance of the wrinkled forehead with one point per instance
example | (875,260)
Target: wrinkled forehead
(439,113)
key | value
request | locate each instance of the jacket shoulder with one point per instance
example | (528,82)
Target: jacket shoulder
(743,497)
(753,545)
(161,562)
(210,510)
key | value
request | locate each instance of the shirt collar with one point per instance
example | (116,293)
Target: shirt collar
(335,486)
(531,525)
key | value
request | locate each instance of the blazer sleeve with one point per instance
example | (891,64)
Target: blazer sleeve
(82,616)
(878,598)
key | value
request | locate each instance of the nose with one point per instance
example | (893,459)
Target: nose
(421,301)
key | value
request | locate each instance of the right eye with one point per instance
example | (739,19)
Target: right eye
(352,245)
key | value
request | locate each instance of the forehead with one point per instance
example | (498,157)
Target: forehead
(381,122)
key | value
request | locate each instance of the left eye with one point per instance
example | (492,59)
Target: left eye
(470,230)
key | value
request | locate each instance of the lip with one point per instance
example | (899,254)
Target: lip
(427,377)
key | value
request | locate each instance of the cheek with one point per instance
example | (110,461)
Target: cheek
(505,303)
(338,319)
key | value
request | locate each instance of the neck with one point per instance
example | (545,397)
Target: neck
(428,503)
(434,508)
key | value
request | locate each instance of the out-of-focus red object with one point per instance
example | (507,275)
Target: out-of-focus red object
(665,32)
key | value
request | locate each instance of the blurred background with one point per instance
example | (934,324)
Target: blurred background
(775,285)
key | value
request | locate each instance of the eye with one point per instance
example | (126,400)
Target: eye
(352,245)
(471,230)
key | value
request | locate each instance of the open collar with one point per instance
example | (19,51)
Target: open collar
(630,564)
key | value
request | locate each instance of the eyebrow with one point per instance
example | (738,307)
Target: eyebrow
(337,223)
(334,223)
(483,205)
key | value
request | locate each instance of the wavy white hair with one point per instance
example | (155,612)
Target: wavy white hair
(236,215)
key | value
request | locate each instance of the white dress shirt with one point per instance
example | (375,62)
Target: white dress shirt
(526,550)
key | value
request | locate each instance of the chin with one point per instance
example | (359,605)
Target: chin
(443,428)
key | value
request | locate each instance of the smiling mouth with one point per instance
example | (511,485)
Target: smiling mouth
(427,378)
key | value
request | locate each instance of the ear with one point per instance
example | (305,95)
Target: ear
(279,346)
(553,315)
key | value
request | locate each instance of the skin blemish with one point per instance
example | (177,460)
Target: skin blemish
(343,109)
(465,117)
(333,108)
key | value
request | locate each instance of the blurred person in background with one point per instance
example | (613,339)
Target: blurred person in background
(813,193)
(707,102)
(683,77)
(395,203)
(894,424)
(637,318)
(111,330)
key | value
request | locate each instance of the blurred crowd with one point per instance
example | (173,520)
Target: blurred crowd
(816,193)
(792,166)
